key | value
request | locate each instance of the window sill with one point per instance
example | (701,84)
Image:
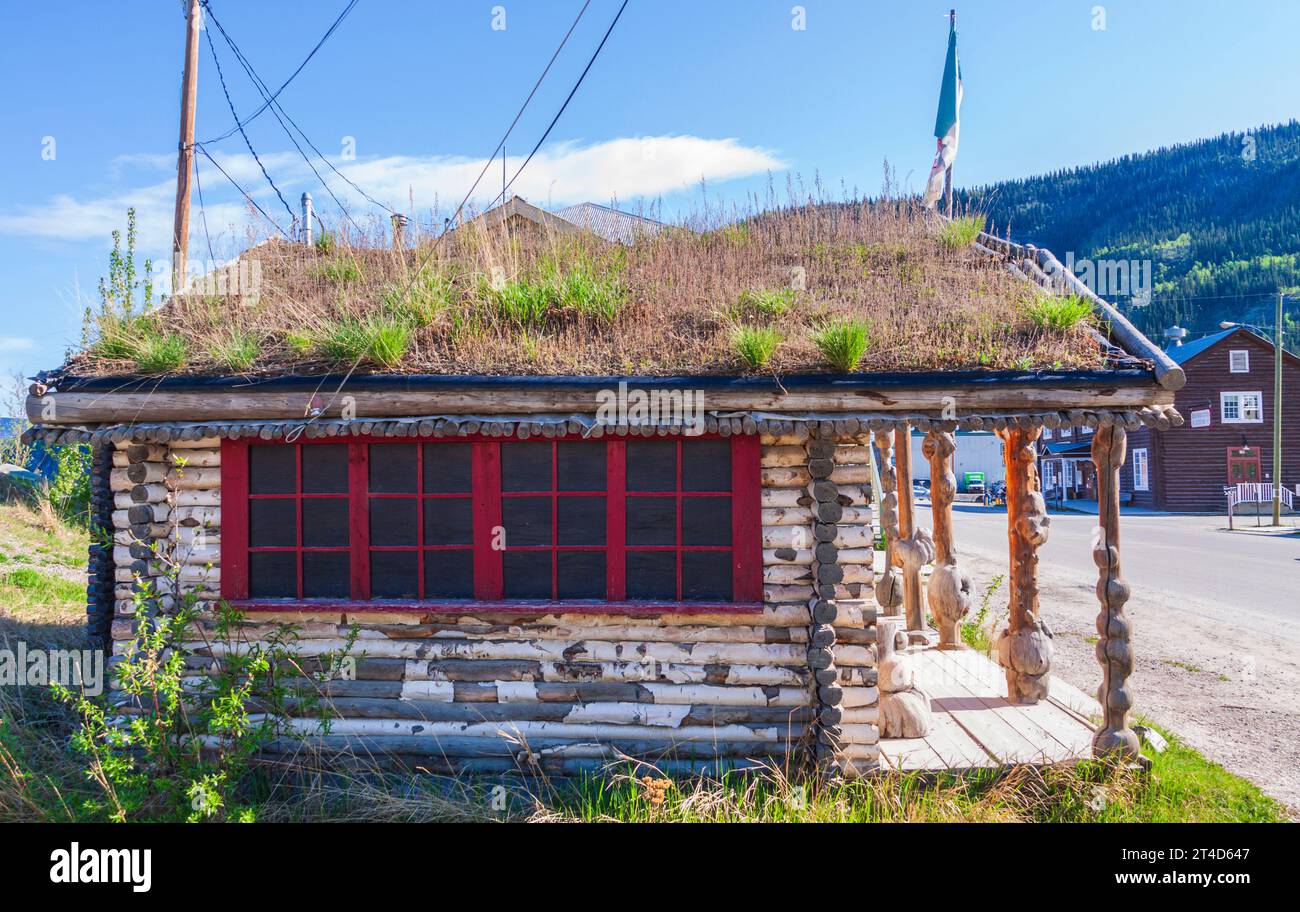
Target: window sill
(471,606)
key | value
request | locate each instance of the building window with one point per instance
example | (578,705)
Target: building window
(1066,432)
(562,520)
(1239,361)
(1047,433)
(1242,408)
(1141,471)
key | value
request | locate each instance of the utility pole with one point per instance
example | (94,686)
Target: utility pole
(185,154)
(947,177)
(1277,415)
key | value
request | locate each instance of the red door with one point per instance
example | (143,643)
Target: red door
(1243,465)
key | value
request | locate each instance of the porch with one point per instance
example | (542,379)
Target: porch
(974,725)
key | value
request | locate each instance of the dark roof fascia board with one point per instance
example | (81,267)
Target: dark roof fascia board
(936,380)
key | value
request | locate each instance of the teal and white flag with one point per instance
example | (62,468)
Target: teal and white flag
(947,124)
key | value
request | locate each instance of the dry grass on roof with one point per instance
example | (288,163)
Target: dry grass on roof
(757,295)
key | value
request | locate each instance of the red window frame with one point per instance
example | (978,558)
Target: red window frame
(487,498)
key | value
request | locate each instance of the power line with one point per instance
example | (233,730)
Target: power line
(572,92)
(242,191)
(238,127)
(226,91)
(276,111)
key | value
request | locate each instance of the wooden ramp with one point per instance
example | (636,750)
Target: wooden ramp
(976,727)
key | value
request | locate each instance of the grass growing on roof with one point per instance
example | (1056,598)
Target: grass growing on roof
(236,350)
(843,342)
(376,339)
(661,305)
(755,345)
(1059,314)
(961,232)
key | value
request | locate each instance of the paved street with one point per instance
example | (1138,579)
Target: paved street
(1216,620)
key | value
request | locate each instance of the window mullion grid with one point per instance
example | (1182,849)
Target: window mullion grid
(616,520)
(419,519)
(297,504)
(678,543)
(555,519)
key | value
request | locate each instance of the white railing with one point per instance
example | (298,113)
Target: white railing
(1257,492)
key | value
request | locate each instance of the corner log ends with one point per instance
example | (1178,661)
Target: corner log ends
(1025,644)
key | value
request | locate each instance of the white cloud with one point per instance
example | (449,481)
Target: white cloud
(562,174)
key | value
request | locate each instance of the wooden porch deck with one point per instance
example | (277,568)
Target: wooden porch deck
(975,726)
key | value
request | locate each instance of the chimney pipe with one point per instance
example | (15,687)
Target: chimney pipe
(306,219)
(399,231)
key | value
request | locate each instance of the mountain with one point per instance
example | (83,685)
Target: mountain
(1215,224)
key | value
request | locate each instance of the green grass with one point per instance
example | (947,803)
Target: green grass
(381,340)
(843,342)
(961,232)
(141,340)
(766,302)
(420,302)
(340,271)
(755,345)
(1059,314)
(581,287)
(237,350)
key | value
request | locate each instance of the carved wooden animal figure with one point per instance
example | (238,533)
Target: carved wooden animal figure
(904,707)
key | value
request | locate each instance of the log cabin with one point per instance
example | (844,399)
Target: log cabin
(580,535)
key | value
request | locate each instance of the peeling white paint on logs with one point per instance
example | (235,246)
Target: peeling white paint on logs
(435,691)
(788,556)
(670,716)
(521,731)
(516,692)
(855,697)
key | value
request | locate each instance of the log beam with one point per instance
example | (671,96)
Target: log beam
(1114,738)
(1025,644)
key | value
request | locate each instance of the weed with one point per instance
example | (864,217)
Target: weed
(1060,314)
(843,342)
(755,344)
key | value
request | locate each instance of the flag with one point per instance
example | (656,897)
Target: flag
(947,123)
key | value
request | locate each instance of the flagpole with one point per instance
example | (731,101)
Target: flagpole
(947,177)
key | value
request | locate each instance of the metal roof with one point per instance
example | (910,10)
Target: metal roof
(611,224)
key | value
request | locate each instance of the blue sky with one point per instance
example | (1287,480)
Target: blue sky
(727,90)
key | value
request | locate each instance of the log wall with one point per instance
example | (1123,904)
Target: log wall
(564,692)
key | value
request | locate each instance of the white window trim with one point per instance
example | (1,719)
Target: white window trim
(1141,480)
(1232,358)
(1240,419)
(1047,433)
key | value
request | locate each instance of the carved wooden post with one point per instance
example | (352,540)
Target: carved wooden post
(1114,738)
(1025,644)
(889,588)
(949,588)
(914,548)
(904,707)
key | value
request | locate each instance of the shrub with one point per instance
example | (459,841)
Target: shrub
(755,344)
(961,232)
(843,342)
(340,271)
(1058,314)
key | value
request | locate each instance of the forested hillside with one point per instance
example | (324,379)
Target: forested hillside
(1218,219)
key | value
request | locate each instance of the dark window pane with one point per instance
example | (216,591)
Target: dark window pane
(581,466)
(527,574)
(706,575)
(392,521)
(394,574)
(324,523)
(652,575)
(652,520)
(448,574)
(706,520)
(392,468)
(326,574)
(526,466)
(581,520)
(447,468)
(325,469)
(527,521)
(272,469)
(652,465)
(706,465)
(448,521)
(272,523)
(580,574)
(273,575)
